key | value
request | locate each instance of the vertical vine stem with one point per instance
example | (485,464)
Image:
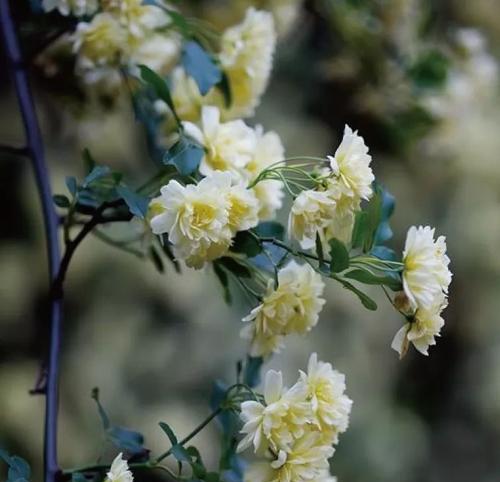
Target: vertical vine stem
(34,149)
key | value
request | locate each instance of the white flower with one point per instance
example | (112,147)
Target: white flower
(101,42)
(186,96)
(119,471)
(325,389)
(246,56)
(158,51)
(426,275)
(268,150)
(139,19)
(229,146)
(292,307)
(306,461)
(342,221)
(426,325)
(260,419)
(295,428)
(195,217)
(243,208)
(311,213)
(351,165)
(279,421)
(73,7)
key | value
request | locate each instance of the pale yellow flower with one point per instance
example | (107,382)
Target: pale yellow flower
(306,461)
(422,331)
(196,218)
(138,18)
(261,419)
(119,471)
(426,275)
(342,221)
(158,51)
(310,215)
(325,389)
(243,208)
(99,43)
(351,165)
(277,422)
(71,7)
(246,56)
(186,96)
(229,146)
(292,307)
(268,150)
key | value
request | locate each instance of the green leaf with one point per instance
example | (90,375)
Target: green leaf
(78,477)
(123,438)
(72,185)
(180,22)
(159,86)
(200,66)
(374,212)
(61,201)
(88,161)
(270,229)
(185,155)
(339,256)
(19,470)
(180,453)
(385,253)
(126,439)
(102,413)
(97,173)
(384,232)
(234,266)
(137,204)
(197,466)
(246,243)
(319,250)
(169,432)
(360,229)
(224,281)
(392,280)
(252,371)
(367,302)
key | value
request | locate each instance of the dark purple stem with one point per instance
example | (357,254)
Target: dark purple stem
(34,150)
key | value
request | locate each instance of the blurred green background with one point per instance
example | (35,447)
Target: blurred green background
(424,93)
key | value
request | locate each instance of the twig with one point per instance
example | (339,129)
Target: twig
(35,152)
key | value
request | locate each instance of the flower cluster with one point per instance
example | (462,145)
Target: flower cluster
(201,219)
(328,211)
(294,429)
(246,56)
(123,34)
(426,278)
(291,307)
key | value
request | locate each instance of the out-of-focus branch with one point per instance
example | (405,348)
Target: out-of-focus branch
(34,150)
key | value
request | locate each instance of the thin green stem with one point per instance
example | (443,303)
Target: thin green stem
(195,432)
